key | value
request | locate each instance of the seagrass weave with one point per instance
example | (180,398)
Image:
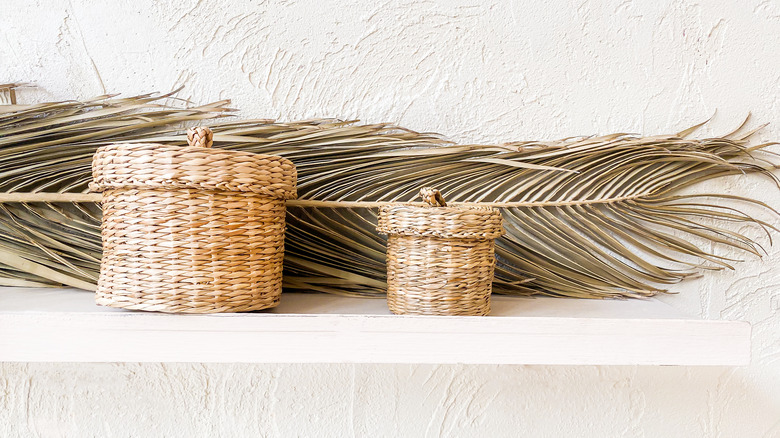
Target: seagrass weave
(191,229)
(440,259)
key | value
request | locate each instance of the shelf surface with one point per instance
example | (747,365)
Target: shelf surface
(64,325)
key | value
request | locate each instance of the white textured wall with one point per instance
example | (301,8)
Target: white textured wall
(477,71)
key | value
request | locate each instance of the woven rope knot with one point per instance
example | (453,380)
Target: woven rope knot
(200,136)
(432,197)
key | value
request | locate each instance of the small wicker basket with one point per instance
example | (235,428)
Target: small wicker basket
(191,229)
(440,259)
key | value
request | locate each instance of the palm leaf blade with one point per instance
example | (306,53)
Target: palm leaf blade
(585,216)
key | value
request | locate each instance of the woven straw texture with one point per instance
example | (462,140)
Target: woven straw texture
(440,260)
(191,229)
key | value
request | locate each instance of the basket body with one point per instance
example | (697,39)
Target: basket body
(180,241)
(440,261)
(435,276)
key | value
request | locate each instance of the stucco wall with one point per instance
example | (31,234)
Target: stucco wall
(476,71)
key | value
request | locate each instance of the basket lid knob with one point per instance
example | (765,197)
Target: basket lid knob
(200,136)
(432,197)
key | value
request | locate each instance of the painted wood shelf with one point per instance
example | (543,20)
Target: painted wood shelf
(64,325)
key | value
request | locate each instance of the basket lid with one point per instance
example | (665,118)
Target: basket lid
(461,221)
(149,165)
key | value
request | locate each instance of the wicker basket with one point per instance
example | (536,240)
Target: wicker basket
(440,259)
(191,229)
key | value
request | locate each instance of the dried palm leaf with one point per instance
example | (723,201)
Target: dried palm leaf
(586,217)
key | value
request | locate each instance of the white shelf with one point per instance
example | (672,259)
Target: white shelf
(64,325)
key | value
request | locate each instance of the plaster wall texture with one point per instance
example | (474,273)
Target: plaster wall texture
(477,71)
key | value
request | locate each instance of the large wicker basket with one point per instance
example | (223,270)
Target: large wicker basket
(440,259)
(191,229)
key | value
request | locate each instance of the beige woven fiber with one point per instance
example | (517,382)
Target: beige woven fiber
(191,229)
(440,259)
